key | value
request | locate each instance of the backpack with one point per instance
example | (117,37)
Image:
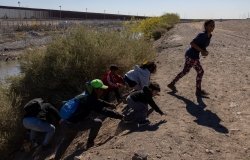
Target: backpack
(33,106)
(69,108)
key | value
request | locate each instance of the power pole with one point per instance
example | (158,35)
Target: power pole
(86,13)
(60,12)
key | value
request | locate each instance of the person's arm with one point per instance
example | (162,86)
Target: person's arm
(195,46)
(110,113)
(99,107)
(155,106)
(196,43)
(53,112)
(109,80)
(107,104)
(144,80)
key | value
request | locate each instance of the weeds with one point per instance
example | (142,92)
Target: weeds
(154,27)
(10,120)
(61,70)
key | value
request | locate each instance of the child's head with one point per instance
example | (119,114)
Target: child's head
(209,25)
(155,88)
(113,68)
(151,66)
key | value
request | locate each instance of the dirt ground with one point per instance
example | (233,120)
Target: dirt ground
(211,128)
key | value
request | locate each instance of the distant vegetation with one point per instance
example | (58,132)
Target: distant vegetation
(156,26)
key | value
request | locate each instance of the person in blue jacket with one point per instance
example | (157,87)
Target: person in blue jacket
(198,45)
(81,119)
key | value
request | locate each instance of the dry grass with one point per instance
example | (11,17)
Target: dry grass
(61,70)
(10,120)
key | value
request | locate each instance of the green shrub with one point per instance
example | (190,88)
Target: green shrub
(60,71)
(154,27)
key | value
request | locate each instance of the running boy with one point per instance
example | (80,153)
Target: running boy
(198,44)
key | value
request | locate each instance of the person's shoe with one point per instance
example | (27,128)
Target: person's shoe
(201,93)
(127,120)
(78,157)
(143,123)
(172,87)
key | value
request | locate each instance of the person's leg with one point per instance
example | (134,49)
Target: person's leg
(141,111)
(200,72)
(106,95)
(118,95)
(68,134)
(128,111)
(138,111)
(188,65)
(94,125)
(33,136)
(35,124)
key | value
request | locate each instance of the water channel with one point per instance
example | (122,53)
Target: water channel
(9,68)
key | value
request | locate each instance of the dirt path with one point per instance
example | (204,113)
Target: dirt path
(220,130)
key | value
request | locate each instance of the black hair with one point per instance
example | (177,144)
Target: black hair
(150,65)
(113,67)
(207,22)
(154,86)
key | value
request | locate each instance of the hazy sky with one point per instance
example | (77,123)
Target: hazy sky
(185,8)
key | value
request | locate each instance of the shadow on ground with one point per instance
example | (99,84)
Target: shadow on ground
(120,128)
(133,127)
(203,117)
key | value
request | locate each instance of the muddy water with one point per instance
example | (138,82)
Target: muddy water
(9,68)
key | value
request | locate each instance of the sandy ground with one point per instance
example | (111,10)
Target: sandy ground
(213,128)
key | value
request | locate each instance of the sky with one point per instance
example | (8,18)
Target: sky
(186,9)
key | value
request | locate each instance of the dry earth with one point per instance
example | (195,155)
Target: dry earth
(213,128)
(221,130)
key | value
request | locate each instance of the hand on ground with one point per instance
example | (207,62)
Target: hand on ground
(204,53)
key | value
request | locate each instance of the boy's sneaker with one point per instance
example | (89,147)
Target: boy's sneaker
(143,123)
(172,87)
(200,93)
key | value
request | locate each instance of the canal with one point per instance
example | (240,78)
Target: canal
(9,68)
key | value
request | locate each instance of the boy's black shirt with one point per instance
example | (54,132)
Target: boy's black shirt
(145,96)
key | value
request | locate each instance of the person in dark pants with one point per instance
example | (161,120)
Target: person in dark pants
(198,45)
(80,119)
(40,117)
(138,101)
